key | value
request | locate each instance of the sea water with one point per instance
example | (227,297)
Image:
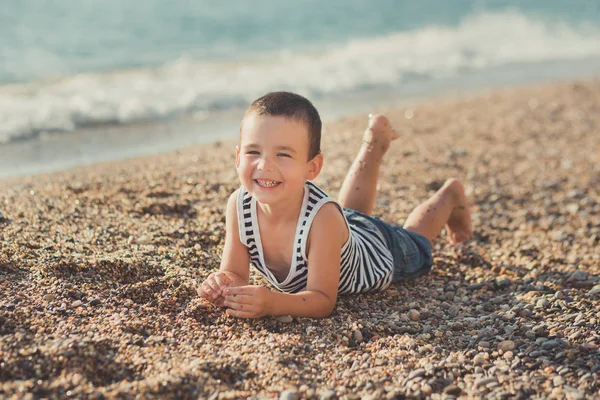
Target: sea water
(95,80)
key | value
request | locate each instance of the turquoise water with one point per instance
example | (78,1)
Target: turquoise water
(53,38)
(69,69)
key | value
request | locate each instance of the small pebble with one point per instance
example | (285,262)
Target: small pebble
(357,335)
(288,395)
(558,380)
(594,290)
(414,315)
(452,390)
(550,344)
(327,395)
(506,345)
(143,240)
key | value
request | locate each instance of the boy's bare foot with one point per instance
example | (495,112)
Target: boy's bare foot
(380,132)
(459,226)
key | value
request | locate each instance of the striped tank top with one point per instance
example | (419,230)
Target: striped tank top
(366,261)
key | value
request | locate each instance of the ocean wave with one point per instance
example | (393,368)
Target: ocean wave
(188,86)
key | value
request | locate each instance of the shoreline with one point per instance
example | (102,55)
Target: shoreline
(335,122)
(98,266)
(101,143)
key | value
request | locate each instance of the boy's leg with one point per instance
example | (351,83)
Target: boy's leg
(447,207)
(359,189)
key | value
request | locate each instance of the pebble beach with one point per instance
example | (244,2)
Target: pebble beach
(99,267)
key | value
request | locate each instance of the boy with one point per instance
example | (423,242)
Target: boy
(306,244)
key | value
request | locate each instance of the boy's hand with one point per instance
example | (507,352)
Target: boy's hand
(212,288)
(247,301)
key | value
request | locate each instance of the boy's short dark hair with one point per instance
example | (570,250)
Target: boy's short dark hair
(295,107)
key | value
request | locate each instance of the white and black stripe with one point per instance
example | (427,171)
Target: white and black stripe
(366,261)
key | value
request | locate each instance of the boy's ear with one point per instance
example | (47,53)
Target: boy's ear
(237,157)
(314,167)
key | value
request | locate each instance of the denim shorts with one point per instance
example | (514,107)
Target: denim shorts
(412,253)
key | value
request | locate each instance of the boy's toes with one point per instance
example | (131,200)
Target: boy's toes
(379,122)
(459,237)
(381,127)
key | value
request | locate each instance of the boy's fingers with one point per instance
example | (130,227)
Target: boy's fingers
(203,289)
(201,292)
(238,305)
(220,302)
(239,300)
(247,290)
(208,286)
(222,280)
(212,290)
(239,313)
(206,295)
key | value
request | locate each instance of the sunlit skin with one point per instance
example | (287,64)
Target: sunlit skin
(272,164)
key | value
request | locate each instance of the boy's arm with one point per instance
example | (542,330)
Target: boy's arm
(234,269)
(327,235)
(235,260)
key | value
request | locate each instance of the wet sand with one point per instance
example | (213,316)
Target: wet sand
(98,267)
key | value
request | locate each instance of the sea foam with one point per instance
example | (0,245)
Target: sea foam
(189,86)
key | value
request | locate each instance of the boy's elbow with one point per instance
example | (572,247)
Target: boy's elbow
(327,312)
(327,308)
(320,305)
(320,314)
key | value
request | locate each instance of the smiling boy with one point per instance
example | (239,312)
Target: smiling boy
(306,244)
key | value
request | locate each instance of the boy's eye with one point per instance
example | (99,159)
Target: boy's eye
(252,152)
(283,155)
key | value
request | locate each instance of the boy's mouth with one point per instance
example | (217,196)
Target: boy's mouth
(266,183)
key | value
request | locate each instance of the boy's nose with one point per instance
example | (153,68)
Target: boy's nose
(265,164)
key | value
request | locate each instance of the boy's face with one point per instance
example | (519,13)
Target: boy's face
(272,158)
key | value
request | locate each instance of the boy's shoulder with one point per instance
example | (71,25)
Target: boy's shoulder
(330,212)
(234,195)
(329,226)
(232,201)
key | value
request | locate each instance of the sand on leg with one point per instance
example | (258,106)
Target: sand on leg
(359,189)
(448,208)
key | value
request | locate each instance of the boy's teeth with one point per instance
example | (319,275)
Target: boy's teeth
(267,183)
